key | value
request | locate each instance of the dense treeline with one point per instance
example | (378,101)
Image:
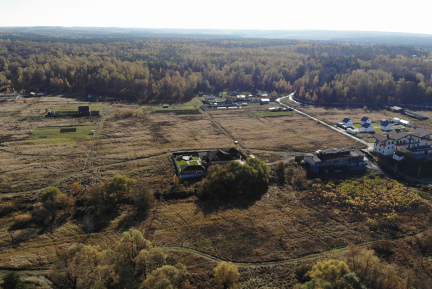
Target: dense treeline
(174,70)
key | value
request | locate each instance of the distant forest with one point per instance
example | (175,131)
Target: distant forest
(173,70)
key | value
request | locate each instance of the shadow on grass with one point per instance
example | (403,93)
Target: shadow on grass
(213,206)
(90,222)
(131,220)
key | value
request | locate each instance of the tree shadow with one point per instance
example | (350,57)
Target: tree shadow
(131,220)
(91,222)
(213,206)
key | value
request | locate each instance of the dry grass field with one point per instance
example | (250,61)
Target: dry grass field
(291,132)
(29,161)
(135,141)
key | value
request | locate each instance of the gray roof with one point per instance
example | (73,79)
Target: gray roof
(394,135)
(346,120)
(365,118)
(385,123)
(334,153)
(366,125)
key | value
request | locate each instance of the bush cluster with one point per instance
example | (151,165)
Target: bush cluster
(235,180)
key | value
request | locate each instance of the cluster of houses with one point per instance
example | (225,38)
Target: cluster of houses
(348,125)
(211,101)
(400,144)
(196,164)
(396,144)
(367,127)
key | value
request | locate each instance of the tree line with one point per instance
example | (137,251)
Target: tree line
(174,69)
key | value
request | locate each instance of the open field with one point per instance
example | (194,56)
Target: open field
(292,132)
(135,141)
(33,153)
(54,135)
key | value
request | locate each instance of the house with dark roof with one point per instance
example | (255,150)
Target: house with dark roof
(347,122)
(221,156)
(367,127)
(386,125)
(336,160)
(415,143)
(364,120)
(191,171)
(196,164)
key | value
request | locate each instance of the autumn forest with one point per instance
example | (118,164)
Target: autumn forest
(155,70)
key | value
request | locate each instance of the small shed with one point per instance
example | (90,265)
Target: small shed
(396,120)
(165,106)
(84,110)
(397,109)
(404,122)
(241,97)
(264,101)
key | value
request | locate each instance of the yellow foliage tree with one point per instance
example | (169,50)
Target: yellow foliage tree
(226,274)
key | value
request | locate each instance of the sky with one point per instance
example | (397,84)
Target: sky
(365,15)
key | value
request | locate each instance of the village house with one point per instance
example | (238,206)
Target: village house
(367,127)
(415,144)
(364,120)
(336,160)
(347,122)
(386,125)
(196,164)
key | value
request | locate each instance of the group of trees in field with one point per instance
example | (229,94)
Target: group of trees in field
(174,70)
(360,268)
(235,181)
(134,262)
(91,208)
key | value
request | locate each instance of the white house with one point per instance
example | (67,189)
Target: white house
(386,125)
(347,122)
(367,127)
(416,143)
(364,120)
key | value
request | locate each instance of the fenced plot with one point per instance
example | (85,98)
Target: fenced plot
(61,135)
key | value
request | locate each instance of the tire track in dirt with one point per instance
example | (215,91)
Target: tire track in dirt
(311,256)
